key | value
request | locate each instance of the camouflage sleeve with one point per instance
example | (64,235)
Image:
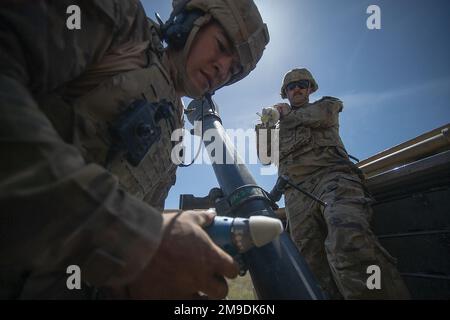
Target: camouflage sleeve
(40,50)
(56,210)
(321,114)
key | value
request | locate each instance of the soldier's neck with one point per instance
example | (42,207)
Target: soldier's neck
(305,104)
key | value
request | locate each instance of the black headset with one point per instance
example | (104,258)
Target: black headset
(177,29)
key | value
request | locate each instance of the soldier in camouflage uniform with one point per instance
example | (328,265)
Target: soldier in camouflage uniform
(336,241)
(69,193)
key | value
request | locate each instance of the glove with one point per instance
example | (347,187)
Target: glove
(270,116)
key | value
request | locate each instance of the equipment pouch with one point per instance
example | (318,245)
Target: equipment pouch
(137,129)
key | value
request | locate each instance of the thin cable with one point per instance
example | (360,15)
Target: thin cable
(182,165)
(354,158)
(324,204)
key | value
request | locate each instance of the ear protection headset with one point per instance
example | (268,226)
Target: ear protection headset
(176,30)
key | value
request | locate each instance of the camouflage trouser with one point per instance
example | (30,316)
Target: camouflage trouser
(337,241)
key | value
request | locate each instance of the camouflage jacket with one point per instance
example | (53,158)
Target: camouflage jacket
(309,138)
(59,205)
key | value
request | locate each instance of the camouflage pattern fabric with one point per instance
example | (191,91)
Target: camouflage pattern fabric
(58,207)
(337,241)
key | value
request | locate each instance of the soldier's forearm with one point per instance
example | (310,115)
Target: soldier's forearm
(314,117)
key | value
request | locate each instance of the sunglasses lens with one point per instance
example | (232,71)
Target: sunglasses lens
(304,84)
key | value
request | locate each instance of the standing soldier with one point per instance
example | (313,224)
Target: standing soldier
(336,240)
(85,134)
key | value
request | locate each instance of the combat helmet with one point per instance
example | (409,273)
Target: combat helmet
(240,19)
(297,75)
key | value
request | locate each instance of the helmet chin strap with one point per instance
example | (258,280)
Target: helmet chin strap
(180,58)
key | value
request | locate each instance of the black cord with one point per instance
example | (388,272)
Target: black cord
(354,158)
(310,195)
(182,165)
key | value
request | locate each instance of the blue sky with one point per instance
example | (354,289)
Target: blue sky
(394,82)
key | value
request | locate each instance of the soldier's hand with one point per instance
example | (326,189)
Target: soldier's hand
(186,263)
(283,108)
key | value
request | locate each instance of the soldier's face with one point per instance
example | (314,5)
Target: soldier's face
(211,61)
(297,96)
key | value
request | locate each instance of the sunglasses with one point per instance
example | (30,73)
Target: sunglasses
(302,84)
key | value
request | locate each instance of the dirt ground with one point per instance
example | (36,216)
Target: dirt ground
(241,288)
